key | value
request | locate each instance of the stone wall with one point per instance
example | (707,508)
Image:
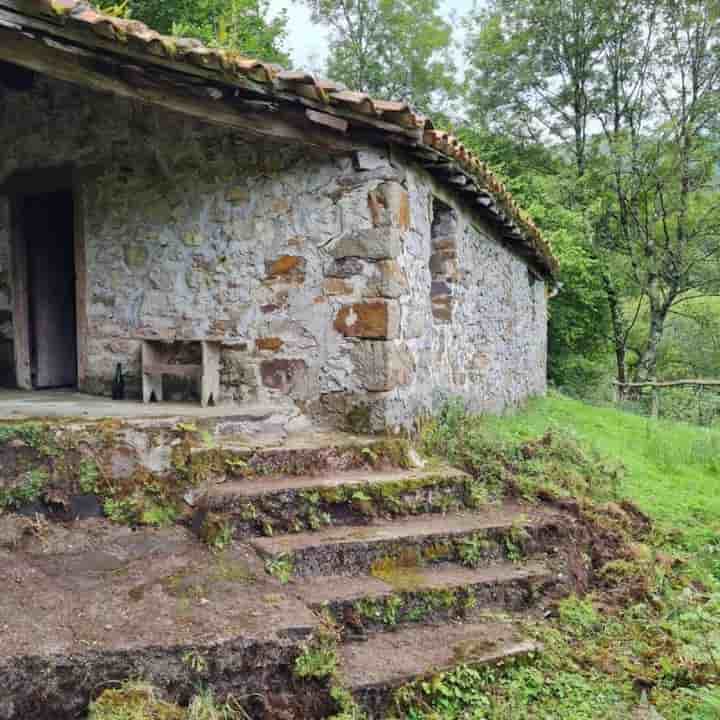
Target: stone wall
(324,274)
(475,318)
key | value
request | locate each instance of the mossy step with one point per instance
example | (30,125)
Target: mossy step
(223,496)
(374,669)
(507,531)
(229,459)
(428,594)
(272,505)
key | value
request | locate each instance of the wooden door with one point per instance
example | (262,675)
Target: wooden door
(48,233)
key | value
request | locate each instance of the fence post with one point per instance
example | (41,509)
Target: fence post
(655,406)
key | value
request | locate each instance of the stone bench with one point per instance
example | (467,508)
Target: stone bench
(156,356)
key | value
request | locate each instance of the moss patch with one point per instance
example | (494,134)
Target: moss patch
(134,701)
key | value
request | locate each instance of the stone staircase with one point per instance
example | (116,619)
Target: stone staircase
(417,568)
(417,572)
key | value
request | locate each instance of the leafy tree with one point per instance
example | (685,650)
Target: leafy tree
(241,25)
(630,91)
(398,49)
(579,319)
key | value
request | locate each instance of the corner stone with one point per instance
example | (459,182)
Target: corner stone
(374,319)
(372,243)
(381,366)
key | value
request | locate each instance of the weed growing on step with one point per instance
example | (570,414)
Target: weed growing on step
(514,542)
(204,706)
(412,606)
(473,550)
(27,490)
(35,435)
(146,506)
(136,700)
(89,474)
(318,660)
(280,567)
(385,611)
(196,661)
(216,532)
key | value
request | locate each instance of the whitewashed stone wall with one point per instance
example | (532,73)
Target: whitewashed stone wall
(315,269)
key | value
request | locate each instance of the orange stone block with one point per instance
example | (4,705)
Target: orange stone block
(336,286)
(287,267)
(269,343)
(372,319)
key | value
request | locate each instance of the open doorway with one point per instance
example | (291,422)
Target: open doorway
(47,236)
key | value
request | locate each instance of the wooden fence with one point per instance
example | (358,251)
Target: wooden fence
(657,385)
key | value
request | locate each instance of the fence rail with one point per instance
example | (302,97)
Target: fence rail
(658,385)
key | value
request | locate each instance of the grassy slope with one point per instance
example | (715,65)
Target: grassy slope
(672,469)
(658,659)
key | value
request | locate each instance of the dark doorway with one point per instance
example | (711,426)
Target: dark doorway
(48,231)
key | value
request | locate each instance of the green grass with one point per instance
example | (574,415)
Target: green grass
(672,470)
(651,652)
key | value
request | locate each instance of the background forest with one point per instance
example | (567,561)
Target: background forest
(604,119)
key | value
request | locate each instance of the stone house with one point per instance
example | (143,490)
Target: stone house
(290,239)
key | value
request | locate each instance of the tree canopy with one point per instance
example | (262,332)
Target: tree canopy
(242,25)
(399,49)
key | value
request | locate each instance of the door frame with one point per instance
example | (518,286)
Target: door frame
(18,186)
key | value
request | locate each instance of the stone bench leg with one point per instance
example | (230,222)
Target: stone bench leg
(210,378)
(152,354)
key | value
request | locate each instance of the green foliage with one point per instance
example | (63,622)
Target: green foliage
(36,435)
(473,550)
(318,658)
(385,610)
(553,465)
(205,706)
(27,490)
(217,532)
(148,505)
(596,655)
(280,567)
(622,93)
(242,25)
(397,49)
(89,475)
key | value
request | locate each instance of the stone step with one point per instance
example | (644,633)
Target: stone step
(237,458)
(508,531)
(374,669)
(429,594)
(288,503)
(87,605)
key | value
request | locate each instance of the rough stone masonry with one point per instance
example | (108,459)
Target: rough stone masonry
(354,285)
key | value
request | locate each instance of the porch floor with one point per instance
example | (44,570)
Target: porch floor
(16,404)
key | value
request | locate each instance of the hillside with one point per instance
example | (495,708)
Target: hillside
(645,643)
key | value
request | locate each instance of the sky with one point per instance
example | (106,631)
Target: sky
(307,43)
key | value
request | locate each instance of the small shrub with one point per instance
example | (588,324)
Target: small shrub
(318,659)
(281,568)
(89,475)
(28,490)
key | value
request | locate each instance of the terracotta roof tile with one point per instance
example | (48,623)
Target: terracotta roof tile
(488,190)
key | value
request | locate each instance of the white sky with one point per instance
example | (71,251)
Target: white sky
(307,43)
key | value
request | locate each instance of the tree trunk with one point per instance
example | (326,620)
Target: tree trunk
(647,366)
(618,335)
